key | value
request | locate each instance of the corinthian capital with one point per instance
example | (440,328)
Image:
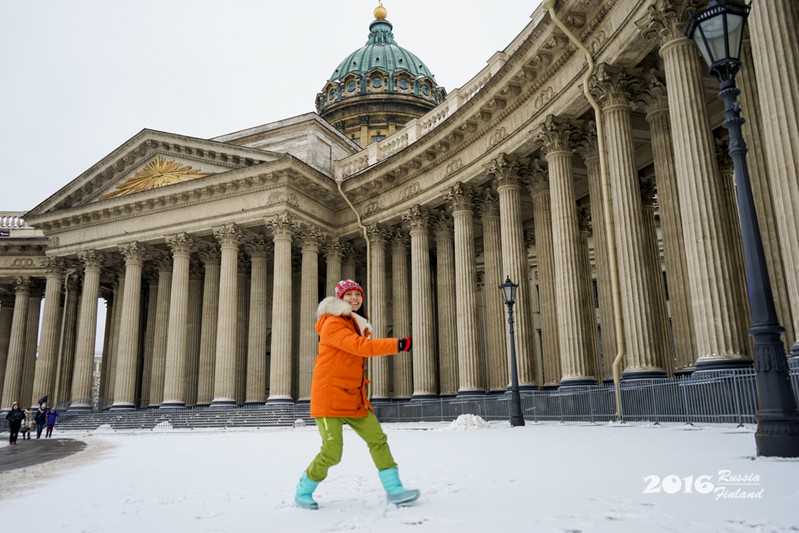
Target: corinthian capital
(282,225)
(557,134)
(539,177)
(504,169)
(653,97)
(460,196)
(91,258)
(418,218)
(612,85)
(378,234)
(133,252)
(180,243)
(230,234)
(665,20)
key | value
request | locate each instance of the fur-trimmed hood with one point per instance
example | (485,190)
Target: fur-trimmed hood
(338,307)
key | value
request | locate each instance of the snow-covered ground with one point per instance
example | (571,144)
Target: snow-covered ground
(474,477)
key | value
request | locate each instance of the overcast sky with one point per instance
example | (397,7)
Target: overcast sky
(81,77)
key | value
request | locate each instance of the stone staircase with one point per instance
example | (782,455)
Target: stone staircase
(188,418)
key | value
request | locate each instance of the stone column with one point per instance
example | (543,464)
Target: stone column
(282,227)
(595,362)
(447,309)
(194,331)
(31,338)
(242,328)
(210,256)
(113,317)
(332,250)
(542,217)
(470,364)
(87,331)
(128,348)
(514,263)
(309,299)
(157,373)
(348,263)
(659,311)
(760,180)
(258,249)
(6,318)
(175,371)
(589,150)
(229,237)
(67,341)
(644,350)
(15,364)
(498,363)
(149,337)
(775,51)
(400,295)
(655,103)
(378,308)
(424,364)
(575,331)
(718,295)
(44,378)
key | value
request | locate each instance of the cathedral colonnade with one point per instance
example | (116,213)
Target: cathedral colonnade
(211,284)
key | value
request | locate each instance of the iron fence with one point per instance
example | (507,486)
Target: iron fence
(728,396)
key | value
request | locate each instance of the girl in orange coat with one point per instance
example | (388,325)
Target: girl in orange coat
(338,393)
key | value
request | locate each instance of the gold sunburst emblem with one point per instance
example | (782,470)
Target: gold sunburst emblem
(156,173)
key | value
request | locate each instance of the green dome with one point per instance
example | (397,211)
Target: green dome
(381,52)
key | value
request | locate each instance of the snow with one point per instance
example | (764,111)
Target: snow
(474,477)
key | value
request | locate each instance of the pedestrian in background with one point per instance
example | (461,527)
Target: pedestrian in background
(27,425)
(41,420)
(15,418)
(339,396)
(51,416)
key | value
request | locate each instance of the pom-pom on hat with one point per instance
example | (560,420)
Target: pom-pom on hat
(347,285)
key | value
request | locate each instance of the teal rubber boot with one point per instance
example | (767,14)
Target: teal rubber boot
(395,492)
(304,495)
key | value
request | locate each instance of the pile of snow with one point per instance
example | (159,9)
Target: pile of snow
(299,423)
(105,428)
(163,426)
(467,423)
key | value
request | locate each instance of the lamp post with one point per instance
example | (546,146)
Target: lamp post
(718,32)
(509,294)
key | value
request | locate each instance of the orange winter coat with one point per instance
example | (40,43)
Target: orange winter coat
(339,381)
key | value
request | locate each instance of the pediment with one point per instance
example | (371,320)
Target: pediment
(151,160)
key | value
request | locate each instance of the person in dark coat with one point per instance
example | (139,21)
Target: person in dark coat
(41,420)
(15,417)
(51,416)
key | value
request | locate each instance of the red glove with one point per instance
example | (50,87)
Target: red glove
(404,344)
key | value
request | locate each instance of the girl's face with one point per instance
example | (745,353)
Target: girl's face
(354,298)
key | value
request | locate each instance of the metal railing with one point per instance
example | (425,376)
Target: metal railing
(728,396)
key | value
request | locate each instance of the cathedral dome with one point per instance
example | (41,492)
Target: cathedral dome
(378,87)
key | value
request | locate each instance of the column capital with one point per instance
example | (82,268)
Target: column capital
(163,262)
(487,203)
(229,234)
(653,97)
(666,20)
(180,243)
(584,219)
(91,258)
(196,269)
(504,169)
(282,226)
(529,238)
(587,145)
(399,240)
(332,247)
(539,177)
(557,134)
(615,86)
(378,234)
(723,157)
(209,253)
(133,252)
(418,217)
(443,225)
(461,196)
(55,266)
(22,284)
(310,236)
(258,246)
(649,190)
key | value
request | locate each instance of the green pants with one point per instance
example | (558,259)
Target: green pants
(331,430)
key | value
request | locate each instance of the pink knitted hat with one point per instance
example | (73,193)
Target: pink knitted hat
(347,285)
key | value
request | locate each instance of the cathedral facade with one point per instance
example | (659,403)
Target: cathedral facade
(211,255)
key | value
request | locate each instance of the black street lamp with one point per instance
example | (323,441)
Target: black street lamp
(509,294)
(718,32)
